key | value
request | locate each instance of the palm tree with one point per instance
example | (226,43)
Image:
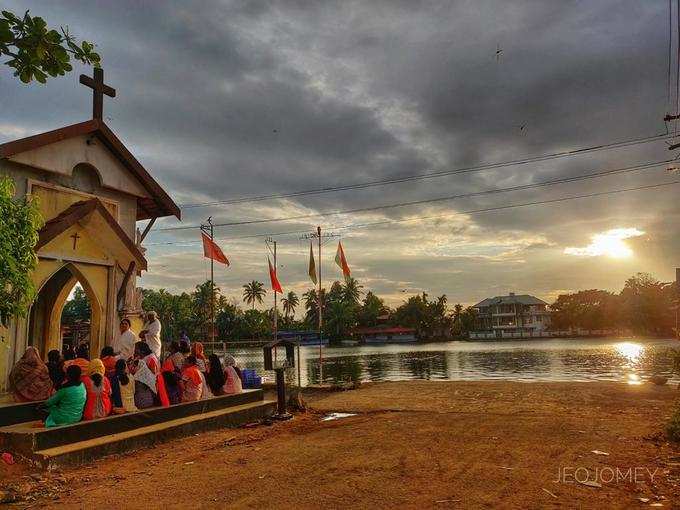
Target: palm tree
(352,291)
(289,303)
(253,292)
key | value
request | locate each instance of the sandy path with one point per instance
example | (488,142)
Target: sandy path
(413,445)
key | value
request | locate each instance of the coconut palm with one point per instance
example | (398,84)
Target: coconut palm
(290,302)
(352,291)
(253,292)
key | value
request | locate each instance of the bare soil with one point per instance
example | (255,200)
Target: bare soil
(411,445)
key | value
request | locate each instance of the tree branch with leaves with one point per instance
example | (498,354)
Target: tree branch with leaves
(37,51)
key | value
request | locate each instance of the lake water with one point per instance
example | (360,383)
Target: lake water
(574,359)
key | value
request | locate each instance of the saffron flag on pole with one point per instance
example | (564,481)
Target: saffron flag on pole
(276,286)
(212,251)
(341,261)
(312,265)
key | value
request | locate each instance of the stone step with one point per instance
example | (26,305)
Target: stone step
(12,413)
(90,449)
(25,438)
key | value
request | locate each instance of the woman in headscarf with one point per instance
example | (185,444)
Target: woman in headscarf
(30,379)
(175,359)
(55,366)
(66,405)
(197,351)
(232,379)
(192,382)
(98,403)
(147,371)
(230,361)
(215,375)
(122,389)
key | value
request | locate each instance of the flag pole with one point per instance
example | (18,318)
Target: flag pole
(276,312)
(212,284)
(319,297)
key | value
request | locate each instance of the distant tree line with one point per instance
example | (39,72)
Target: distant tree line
(645,306)
(345,307)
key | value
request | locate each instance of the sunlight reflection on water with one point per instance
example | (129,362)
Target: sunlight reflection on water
(576,359)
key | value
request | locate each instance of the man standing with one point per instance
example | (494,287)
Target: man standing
(152,333)
(124,345)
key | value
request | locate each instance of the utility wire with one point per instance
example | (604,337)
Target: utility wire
(439,216)
(432,175)
(432,200)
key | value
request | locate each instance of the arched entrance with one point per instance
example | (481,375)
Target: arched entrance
(44,330)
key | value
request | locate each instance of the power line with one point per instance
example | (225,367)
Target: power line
(417,218)
(432,175)
(431,200)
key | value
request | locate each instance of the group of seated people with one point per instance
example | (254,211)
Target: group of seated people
(75,387)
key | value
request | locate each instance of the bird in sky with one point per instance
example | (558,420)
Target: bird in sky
(499,51)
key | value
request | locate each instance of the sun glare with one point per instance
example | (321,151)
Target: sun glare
(629,350)
(610,243)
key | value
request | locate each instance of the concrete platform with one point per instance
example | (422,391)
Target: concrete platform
(87,440)
(13,412)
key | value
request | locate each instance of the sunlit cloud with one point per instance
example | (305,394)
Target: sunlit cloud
(610,243)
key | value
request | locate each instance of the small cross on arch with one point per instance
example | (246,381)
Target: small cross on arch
(75,238)
(98,90)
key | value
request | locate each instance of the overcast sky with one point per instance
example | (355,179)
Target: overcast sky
(221,100)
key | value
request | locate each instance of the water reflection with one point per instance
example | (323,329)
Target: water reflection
(630,350)
(550,360)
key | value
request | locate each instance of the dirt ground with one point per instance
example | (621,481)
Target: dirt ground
(411,445)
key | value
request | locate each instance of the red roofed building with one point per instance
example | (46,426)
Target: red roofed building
(385,334)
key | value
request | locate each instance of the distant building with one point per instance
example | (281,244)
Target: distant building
(512,316)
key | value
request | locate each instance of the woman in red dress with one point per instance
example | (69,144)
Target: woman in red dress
(98,388)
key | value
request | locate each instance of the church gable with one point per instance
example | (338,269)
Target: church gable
(63,156)
(93,143)
(76,243)
(87,231)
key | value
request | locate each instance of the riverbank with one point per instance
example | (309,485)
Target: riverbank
(414,444)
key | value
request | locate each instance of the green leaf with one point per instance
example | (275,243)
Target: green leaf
(40,76)
(25,75)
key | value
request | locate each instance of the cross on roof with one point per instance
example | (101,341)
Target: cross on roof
(98,90)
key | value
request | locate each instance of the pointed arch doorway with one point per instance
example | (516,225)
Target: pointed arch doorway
(44,328)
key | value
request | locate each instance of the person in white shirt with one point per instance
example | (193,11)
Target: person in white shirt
(152,333)
(124,345)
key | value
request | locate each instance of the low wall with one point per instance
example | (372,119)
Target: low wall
(506,335)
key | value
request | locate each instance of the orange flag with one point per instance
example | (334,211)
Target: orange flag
(276,286)
(212,251)
(341,261)
(312,265)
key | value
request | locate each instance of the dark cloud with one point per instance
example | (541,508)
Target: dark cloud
(226,99)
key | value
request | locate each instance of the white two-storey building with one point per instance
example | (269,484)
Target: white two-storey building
(511,316)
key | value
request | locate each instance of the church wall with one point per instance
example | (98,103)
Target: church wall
(127,205)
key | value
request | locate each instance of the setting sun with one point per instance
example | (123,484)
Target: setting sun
(610,243)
